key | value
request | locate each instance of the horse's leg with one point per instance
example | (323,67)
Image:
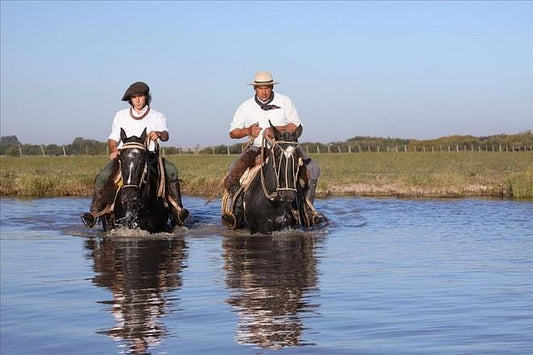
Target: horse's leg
(107,222)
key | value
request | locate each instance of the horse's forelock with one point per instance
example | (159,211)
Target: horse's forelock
(133,139)
(288,136)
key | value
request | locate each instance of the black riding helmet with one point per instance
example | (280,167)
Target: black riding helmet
(136,88)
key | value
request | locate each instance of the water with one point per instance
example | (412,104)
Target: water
(388,276)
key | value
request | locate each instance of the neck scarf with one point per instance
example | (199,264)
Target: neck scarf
(265,105)
(146,109)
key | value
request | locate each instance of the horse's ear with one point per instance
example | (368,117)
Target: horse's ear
(299,131)
(274,130)
(143,135)
(123,135)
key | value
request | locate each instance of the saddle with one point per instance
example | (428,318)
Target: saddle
(230,216)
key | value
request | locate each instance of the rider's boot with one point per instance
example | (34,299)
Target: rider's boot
(232,214)
(179,214)
(97,205)
(317,217)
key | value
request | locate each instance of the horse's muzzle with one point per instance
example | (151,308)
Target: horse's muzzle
(286,195)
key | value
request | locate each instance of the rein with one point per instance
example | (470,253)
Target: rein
(277,168)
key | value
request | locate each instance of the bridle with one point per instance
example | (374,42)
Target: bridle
(277,164)
(127,179)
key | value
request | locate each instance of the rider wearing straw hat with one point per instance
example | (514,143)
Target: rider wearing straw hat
(134,120)
(251,119)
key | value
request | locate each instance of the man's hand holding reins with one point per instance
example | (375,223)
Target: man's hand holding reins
(254,130)
(155,135)
(113,148)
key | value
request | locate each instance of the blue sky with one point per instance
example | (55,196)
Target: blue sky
(407,69)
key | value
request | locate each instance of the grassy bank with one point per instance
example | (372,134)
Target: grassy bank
(442,174)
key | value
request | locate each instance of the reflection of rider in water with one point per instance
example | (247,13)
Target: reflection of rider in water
(251,119)
(269,279)
(134,120)
(139,274)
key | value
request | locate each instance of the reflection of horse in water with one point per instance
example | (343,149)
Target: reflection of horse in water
(139,273)
(269,278)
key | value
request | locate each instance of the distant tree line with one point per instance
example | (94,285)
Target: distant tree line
(11,146)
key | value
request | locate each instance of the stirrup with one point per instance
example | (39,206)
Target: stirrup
(313,217)
(319,218)
(88,219)
(229,220)
(180,216)
(228,206)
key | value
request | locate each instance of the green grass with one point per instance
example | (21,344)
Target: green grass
(439,174)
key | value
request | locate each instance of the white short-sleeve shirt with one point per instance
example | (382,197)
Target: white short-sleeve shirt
(249,112)
(153,121)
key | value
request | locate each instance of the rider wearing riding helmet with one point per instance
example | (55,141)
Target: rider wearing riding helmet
(251,119)
(133,121)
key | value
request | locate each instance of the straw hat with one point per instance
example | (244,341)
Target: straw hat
(263,78)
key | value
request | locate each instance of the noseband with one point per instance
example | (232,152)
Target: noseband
(277,164)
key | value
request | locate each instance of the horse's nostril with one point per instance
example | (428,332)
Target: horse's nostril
(287,195)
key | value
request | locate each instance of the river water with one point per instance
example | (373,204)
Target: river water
(388,276)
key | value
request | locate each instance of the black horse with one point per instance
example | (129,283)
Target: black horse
(139,199)
(274,200)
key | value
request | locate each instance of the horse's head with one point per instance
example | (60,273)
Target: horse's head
(286,161)
(134,168)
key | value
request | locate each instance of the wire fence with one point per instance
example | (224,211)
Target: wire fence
(309,148)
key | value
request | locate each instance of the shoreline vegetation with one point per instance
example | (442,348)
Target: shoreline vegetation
(434,174)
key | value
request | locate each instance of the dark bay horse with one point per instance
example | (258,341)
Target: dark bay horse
(140,200)
(273,200)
